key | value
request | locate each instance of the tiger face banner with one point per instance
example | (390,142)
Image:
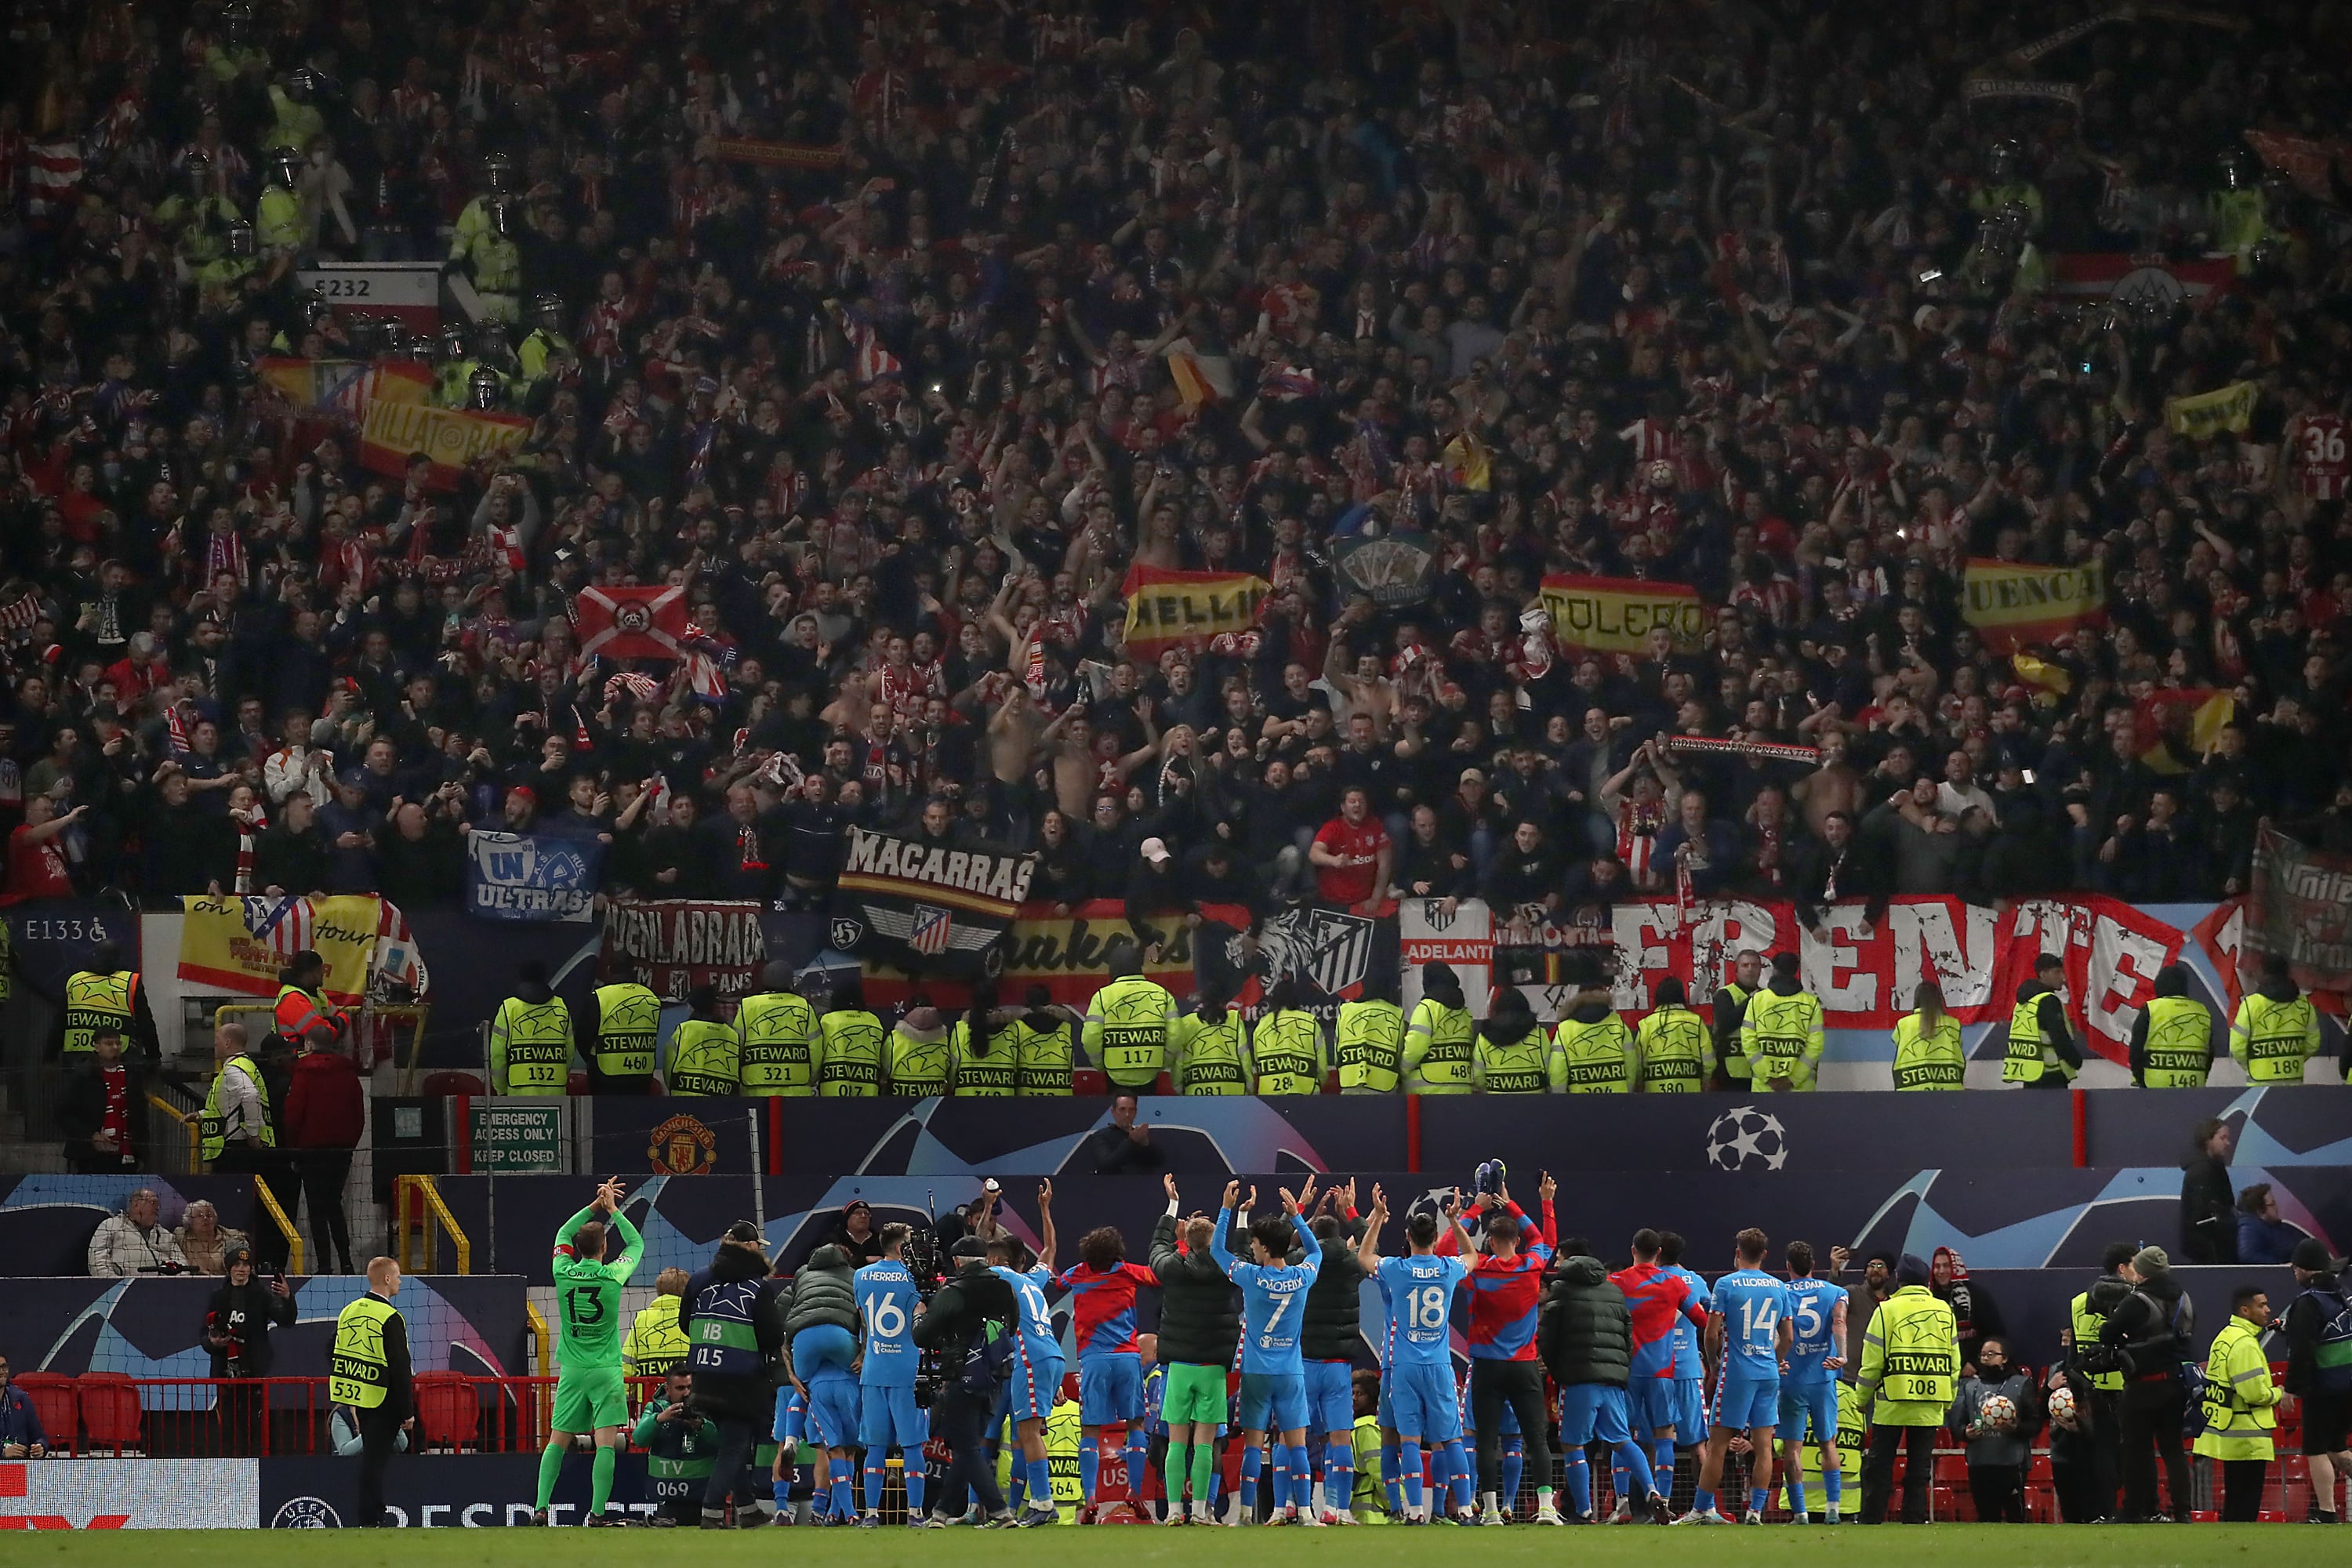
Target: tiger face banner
(2013,604)
(1617,615)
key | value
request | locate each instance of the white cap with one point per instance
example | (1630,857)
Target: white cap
(1155,850)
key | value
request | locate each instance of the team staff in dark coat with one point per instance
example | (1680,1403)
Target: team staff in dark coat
(1584,1336)
(736,1350)
(1330,1335)
(974,1306)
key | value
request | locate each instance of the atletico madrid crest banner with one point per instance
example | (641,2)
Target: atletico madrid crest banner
(630,622)
(2013,604)
(927,909)
(1616,614)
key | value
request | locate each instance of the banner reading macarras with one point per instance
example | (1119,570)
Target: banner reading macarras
(2012,605)
(393,431)
(1617,615)
(1165,608)
(240,944)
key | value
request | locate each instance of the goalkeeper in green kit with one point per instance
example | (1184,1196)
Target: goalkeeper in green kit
(590,1396)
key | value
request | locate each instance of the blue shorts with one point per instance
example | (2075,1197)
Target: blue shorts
(1273,1401)
(823,1347)
(1817,1400)
(1110,1389)
(832,1409)
(889,1417)
(1330,1397)
(1423,1403)
(1592,1412)
(1036,1384)
(1650,1404)
(1747,1400)
(1690,1409)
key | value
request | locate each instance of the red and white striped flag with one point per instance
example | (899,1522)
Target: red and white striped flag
(21,614)
(398,959)
(869,361)
(53,172)
(283,922)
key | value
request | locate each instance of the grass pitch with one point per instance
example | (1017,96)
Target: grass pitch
(1890,1546)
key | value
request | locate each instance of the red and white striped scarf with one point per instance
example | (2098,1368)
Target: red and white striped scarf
(251,826)
(1638,827)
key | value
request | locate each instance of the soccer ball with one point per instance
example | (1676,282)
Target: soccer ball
(2062,1404)
(1997,1412)
(1747,1138)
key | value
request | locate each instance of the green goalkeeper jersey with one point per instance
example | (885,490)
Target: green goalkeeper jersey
(588,1297)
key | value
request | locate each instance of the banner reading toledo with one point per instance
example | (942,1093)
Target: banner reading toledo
(928,910)
(1616,614)
(1164,607)
(2013,604)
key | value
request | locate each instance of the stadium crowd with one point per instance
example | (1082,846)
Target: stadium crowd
(1750,297)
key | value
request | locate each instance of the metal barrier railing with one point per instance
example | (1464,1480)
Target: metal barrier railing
(178,1137)
(416,1204)
(279,1217)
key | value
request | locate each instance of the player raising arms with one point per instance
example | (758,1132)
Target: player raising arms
(1657,1300)
(1274,1373)
(1506,1290)
(887,1306)
(1419,1289)
(590,1394)
(1749,1328)
(1036,1358)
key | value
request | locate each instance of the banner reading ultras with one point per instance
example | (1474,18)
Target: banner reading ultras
(914,903)
(2013,604)
(1616,614)
(1165,608)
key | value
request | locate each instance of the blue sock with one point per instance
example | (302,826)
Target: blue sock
(1661,1463)
(1702,1500)
(1515,1460)
(1796,1491)
(1831,1480)
(1216,1478)
(1139,1461)
(1405,1473)
(1089,1466)
(1579,1481)
(1302,1479)
(1253,1465)
(1458,1468)
(1392,1476)
(1041,1484)
(1759,1499)
(1635,1479)
(844,1506)
(913,1460)
(876,1470)
(1339,1475)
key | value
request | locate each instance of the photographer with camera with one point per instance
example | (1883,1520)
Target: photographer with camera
(969,1326)
(135,1242)
(2145,1339)
(238,1320)
(677,1439)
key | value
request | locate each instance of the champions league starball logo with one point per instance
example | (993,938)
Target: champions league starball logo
(1747,1138)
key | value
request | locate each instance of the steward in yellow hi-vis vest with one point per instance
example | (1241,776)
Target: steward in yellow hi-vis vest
(107,993)
(2172,1039)
(1782,1035)
(984,1055)
(2277,1030)
(1043,1040)
(628,1035)
(2240,1407)
(1731,1016)
(1929,1053)
(849,1046)
(1910,1359)
(1513,1055)
(1211,1046)
(1437,1037)
(919,1054)
(704,1060)
(775,1028)
(530,1038)
(1672,1045)
(367,1370)
(1368,1045)
(1287,1041)
(1595,1048)
(1127,1032)
(2041,1050)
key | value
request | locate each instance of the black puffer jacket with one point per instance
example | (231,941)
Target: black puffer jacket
(1332,1328)
(822,1292)
(1200,1314)
(2154,1327)
(749,1395)
(1584,1332)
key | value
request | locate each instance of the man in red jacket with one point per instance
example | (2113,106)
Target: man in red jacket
(326,1112)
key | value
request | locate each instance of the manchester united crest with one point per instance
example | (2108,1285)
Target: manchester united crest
(683,1146)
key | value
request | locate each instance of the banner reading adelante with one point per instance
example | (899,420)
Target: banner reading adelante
(2013,604)
(1165,608)
(392,431)
(1616,614)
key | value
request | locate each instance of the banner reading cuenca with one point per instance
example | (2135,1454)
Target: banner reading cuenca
(2300,906)
(1865,974)
(672,945)
(1616,614)
(2013,604)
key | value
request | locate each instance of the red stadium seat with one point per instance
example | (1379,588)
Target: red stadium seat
(52,1393)
(448,1410)
(445,1083)
(1088,1081)
(109,1410)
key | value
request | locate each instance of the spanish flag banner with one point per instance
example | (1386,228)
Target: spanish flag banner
(2210,413)
(1616,614)
(1165,608)
(450,437)
(342,387)
(1467,464)
(2162,738)
(2013,604)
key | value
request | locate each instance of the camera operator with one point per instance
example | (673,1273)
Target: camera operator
(238,1320)
(737,1350)
(135,1242)
(2145,1339)
(969,1325)
(676,1439)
